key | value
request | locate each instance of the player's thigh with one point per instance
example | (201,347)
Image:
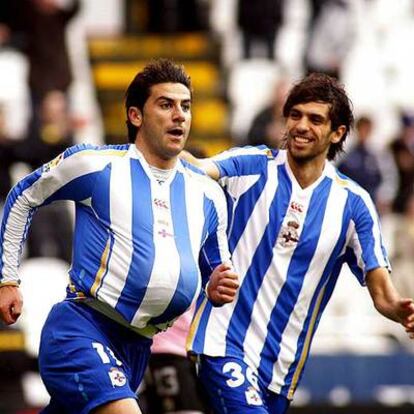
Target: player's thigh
(125,406)
(172,386)
(80,369)
(232,386)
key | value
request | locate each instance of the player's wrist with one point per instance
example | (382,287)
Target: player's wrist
(209,296)
(13,283)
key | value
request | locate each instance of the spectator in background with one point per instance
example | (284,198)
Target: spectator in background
(402,149)
(172,16)
(40,27)
(331,34)
(268,125)
(372,171)
(7,158)
(403,260)
(259,22)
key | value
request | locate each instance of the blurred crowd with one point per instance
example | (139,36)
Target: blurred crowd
(265,45)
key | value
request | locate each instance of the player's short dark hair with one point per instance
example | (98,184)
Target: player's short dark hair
(155,72)
(319,87)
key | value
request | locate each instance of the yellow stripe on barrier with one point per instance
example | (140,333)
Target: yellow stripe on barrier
(11,341)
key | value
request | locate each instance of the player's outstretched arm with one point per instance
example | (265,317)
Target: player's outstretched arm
(205,164)
(11,302)
(223,285)
(388,301)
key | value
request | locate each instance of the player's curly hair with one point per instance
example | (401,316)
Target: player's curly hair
(155,72)
(319,87)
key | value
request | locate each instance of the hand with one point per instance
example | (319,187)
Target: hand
(405,314)
(11,302)
(223,285)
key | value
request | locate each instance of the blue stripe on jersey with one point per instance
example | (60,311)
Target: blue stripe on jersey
(87,255)
(261,260)
(188,279)
(210,253)
(328,280)
(76,190)
(298,267)
(364,224)
(352,262)
(201,325)
(101,204)
(243,164)
(244,209)
(230,213)
(11,200)
(143,248)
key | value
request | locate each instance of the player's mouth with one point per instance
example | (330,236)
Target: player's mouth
(176,132)
(299,139)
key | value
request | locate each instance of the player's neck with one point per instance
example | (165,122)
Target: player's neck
(306,172)
(155,160)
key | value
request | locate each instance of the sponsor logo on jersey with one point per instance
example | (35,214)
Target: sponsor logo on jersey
(296,207)
(253,397)
(52,164)
(117,377)
(161,203)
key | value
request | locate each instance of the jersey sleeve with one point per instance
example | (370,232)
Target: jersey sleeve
(70,176)
(215,248)
(365,250)
(240,168)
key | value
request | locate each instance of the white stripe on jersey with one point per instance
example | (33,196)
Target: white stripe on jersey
(274,280)
(247,245)
(331,229)
(195,207)
(166,270)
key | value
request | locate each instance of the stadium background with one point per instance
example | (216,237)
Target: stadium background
(360,362)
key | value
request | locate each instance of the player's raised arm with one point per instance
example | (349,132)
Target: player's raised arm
(205,164)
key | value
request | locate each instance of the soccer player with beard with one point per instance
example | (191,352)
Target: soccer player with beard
(294,220)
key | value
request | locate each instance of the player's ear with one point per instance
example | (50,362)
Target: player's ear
(337,135)
(135,116)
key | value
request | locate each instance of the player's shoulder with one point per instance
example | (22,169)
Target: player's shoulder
(248,152)
(352,187)
(97,150)
(199,177)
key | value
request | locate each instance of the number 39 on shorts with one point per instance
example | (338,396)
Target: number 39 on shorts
(238,378)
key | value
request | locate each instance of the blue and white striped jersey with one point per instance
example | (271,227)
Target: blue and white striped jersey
(288,245)
(137,243)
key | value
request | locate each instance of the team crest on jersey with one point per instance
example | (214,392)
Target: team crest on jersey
(289,235)
(52,164)
(253,397)
(117,377)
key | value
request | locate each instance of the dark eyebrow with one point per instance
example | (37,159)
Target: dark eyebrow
(166,98)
